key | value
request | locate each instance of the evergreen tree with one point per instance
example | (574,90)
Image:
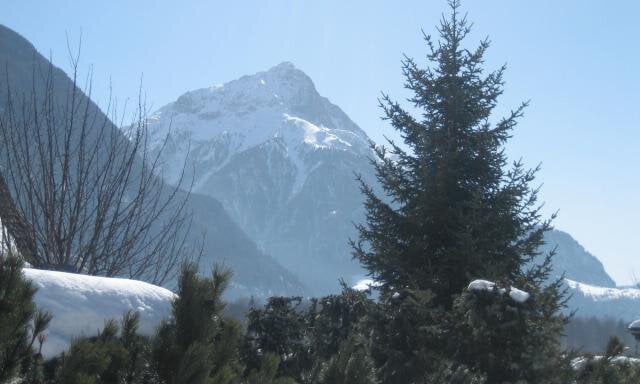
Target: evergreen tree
(281,328)
(510,341)
(20,321)
(117,355)
(335,319)
(610,368)
(268,372)
(457,211)
(454,211)
(199,344)
(352,364)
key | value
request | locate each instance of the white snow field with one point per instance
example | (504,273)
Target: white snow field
(81,304)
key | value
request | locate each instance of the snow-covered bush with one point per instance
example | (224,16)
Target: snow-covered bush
(508,333)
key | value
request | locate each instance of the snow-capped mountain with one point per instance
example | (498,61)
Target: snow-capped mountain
(211,230)
(282,160)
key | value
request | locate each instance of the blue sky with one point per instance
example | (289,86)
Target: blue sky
(575,60)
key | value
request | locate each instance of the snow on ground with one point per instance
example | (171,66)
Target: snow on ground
(485,285)
(81,304)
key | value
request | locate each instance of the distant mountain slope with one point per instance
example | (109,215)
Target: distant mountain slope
(255,273)
(602,302)
(575,261)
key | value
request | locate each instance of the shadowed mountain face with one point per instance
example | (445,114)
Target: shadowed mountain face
(282,160)
(255,273)
(575,261)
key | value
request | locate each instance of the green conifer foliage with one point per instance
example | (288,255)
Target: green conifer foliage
(268,372)
(457,210)
(507,340)
(352,364)
(454,209)
(20,321)
(117,355)
(280,328)
(199,344)
(610,368)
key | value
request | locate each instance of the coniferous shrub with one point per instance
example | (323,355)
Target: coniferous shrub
(610,368)
(20,322)
(509,340)
(352,364)
(280,328)
(198,344)
(117,355)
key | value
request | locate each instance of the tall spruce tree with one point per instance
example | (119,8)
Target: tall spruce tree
(455,210)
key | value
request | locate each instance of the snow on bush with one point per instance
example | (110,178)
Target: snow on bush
(485,285)
(81,304)
(580,363)
(365,285)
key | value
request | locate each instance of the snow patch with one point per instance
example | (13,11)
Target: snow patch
(81,304)
(579,363)
(516,294)
(365,285)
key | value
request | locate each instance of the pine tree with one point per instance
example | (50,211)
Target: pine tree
(199,344)
(117,355)
(457,211)
(334,319)
(454,210)
(20,321)
(281,328)
(352,364)
(611,368)
(510,341)
(268,372)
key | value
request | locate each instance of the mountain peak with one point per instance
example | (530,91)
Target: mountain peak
(285,66)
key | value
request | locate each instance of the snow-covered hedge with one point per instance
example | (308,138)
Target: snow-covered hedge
(81,304)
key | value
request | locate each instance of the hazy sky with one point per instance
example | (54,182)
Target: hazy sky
(576,60)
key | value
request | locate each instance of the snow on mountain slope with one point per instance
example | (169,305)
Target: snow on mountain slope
(81,304)
(282,160)
(214,124)
(590,300)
